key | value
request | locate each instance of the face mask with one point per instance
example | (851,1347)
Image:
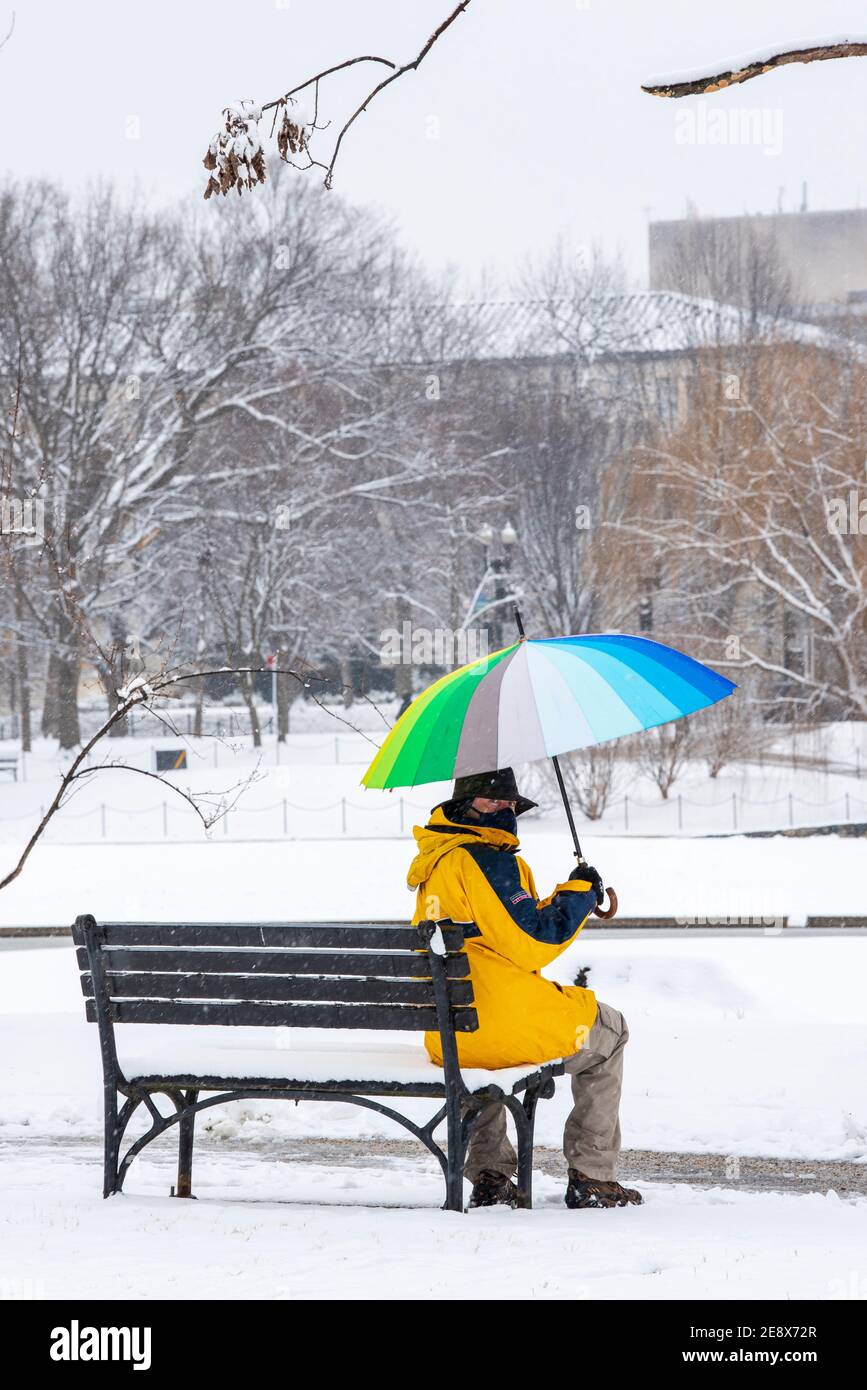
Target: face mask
(465,813)
(504,819)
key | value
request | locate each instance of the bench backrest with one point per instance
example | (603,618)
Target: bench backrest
(275,974)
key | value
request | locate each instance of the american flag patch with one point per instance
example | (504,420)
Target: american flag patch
(519,897)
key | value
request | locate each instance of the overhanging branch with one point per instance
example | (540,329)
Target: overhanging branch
(235,156)
(746,69)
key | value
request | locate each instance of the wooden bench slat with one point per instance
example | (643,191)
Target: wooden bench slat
(311,935)
(277,988)
(230,962)
(378,1016)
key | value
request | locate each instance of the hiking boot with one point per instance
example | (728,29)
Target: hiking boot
(493,1190)
(592,1192)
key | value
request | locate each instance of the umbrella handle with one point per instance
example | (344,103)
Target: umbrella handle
(607,912)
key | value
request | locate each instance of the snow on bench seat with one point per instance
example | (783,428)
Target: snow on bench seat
(297,1054)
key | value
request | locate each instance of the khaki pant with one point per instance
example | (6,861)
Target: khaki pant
(591,1138)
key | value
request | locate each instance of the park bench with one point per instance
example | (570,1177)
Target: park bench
(10,764)
(322,976)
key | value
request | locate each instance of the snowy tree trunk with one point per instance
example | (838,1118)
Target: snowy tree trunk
(22,666)
(198,717)
(284,695)
(248,695)
(68,728)
(60,708)
(48,724)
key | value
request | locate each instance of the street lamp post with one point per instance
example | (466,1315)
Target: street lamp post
(498,565)
(508,539)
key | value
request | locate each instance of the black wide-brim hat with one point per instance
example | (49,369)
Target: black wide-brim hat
(499,786)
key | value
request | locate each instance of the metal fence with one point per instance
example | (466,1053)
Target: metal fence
(394,816)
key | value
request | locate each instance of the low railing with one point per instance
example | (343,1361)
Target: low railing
(394,817)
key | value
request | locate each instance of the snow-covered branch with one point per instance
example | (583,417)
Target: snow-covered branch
(235,156)
(715,77)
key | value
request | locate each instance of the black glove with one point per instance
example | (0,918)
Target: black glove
(592,876)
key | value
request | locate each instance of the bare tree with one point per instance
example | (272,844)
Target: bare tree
(732,263)
(730,731)
(20,543)
(662,753)
(138,343)
(148,691)
(562,404)
(592,777)
(748,511)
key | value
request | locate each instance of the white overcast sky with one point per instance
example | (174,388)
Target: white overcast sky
(525,122)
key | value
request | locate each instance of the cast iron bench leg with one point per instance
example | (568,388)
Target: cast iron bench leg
(112,1138)
(524,1114)
(186,1128)
(455,1156)
(531,1100)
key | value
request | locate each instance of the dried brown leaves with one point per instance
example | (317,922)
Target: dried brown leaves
(235,156)
(291,137)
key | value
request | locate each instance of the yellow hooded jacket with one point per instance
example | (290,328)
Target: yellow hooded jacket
(475,875)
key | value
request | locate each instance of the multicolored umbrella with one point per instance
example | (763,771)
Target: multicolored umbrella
(537,699)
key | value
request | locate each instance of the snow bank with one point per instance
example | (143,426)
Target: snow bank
(366,879)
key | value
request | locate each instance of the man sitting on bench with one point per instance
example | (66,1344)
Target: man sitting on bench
(467,868)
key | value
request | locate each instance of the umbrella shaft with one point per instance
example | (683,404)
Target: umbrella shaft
(568,808)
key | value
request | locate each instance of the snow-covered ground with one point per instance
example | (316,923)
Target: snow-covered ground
(752,880)
(290,1231)
(740,1046)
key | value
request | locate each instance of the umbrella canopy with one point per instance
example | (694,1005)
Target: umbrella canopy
(539,698)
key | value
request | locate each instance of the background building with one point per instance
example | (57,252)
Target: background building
(818,259)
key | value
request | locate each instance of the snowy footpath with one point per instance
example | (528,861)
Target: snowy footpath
(270,1229)
(738,1047)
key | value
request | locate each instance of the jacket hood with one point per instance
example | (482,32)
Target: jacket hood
(441,835)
